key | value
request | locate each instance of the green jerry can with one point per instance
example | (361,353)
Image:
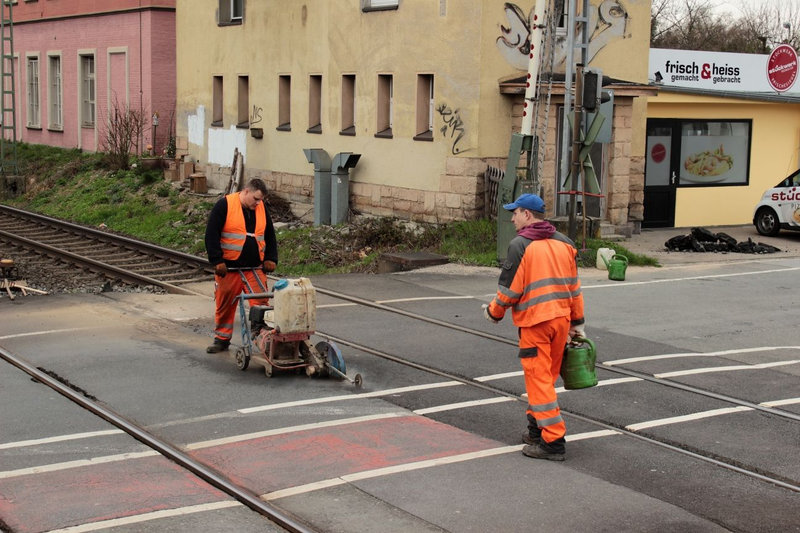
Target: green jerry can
(577,366)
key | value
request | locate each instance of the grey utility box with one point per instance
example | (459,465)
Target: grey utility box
(340,185)
(322,184)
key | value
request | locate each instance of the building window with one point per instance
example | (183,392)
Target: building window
(54,96)
(216,109)
(424,108)
(379,5)
(230,12)
(87,91)
(243,117)
(348,104)
(561,13)
(714,153)
(315,104)
(384,106)
(284,103)
(34,116)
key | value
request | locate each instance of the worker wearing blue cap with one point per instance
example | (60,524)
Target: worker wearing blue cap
(539,283)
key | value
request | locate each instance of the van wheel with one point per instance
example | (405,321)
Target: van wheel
(767,222)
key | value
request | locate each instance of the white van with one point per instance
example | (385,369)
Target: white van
(779,207)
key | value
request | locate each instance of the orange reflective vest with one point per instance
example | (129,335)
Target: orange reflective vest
(234,232)
(545,286)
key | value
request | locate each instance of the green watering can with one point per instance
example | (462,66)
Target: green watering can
(577,366)
(616,267)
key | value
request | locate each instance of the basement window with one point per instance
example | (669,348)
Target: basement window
(348,104)
(314,104)
(284,103)
(384,126)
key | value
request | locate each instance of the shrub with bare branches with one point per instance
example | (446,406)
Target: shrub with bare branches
(124,127)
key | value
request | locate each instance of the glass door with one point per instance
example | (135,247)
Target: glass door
(660,175)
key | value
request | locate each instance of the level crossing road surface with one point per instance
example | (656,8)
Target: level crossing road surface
(412,450)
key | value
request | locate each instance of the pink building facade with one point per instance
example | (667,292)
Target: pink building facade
(76,61)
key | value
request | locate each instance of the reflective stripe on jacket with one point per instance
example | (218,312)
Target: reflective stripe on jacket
(539,283)
(234,232)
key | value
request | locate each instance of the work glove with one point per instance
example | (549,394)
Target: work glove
(488,316)
(268,266)
(220,270)
(577,331)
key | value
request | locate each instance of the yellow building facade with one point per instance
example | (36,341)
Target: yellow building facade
(419,89)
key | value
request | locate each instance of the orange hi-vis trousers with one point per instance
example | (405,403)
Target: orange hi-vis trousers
(541,349)
(226,292)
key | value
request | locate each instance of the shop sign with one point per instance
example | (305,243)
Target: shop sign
(724,71)
(782,68)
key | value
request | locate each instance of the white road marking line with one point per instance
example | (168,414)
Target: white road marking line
(463,405)
(687,418)
(146,517)
(76,464)
(698,354)
(60,438)
(43,332)
(374,394)
(776,403)
(292,429)
(600,286)
(690,278)
(731,368)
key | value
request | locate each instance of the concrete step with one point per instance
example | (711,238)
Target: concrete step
(400,262)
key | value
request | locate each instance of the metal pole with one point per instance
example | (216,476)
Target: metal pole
(576,149)
(537,32)
(565,133)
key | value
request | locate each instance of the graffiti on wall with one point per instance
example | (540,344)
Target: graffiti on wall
(608,22)
(453,127)
(255,116)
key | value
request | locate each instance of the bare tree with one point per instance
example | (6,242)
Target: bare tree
(701,25)
(123,128)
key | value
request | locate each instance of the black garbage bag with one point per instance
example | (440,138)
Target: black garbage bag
(703,240)
(703,235)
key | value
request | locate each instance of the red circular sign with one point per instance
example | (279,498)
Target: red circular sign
(658,152)
(782,68)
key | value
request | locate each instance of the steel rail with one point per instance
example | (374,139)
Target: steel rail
(139,245)
(717,462)
(210,476)
(104,268)
(641,375)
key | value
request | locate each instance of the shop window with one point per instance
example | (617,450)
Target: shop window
(384,126)
(314,104)
(243,115)
(230,12)
(54,95)
(714,153)
(216,109)
(424,108)
(34,114)
(87,91)
(348,104)
(379,5)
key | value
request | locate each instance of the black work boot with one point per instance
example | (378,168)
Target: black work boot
(217,346)
(552,451)
(528,437)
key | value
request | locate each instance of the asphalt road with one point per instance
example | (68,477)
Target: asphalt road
(414,451)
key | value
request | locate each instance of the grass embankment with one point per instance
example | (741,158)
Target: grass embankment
(77,186)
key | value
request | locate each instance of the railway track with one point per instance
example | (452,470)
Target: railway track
(593,419)
(112,256)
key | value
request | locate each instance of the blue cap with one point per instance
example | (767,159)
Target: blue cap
(527,201)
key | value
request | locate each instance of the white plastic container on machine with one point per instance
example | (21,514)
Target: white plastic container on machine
(295,305)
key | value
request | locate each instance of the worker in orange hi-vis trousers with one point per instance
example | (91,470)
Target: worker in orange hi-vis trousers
(539,282)
(239,234)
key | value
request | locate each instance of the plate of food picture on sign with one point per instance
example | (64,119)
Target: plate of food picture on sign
(709,166)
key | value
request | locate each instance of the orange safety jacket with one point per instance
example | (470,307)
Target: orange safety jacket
(234,232)
(543,283)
